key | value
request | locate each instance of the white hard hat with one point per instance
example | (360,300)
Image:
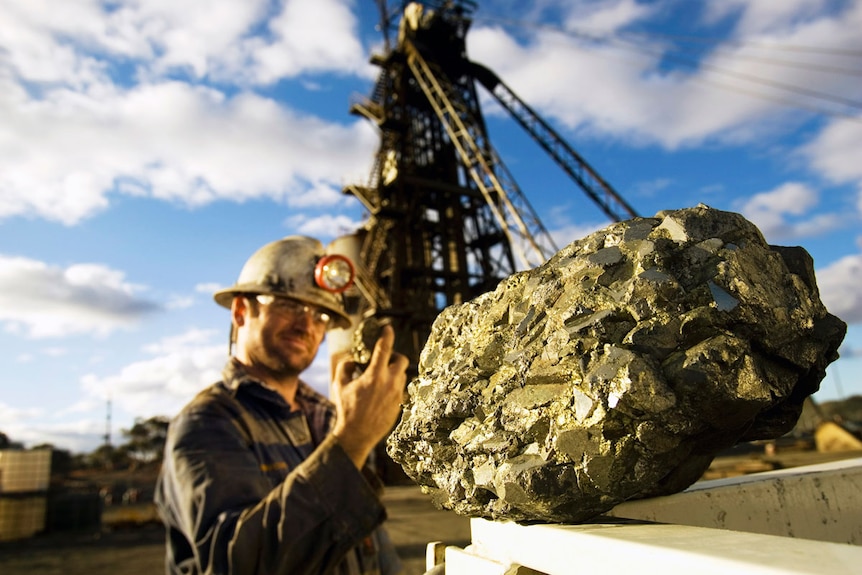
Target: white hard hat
(297,267)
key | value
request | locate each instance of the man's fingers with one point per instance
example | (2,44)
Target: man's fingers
(382,349)
(398,362)
(344,370)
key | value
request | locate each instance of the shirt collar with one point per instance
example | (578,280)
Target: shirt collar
(235,375)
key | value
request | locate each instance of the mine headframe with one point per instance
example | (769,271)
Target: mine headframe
(446,220)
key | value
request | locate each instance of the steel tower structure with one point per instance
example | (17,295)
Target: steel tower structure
(446,221)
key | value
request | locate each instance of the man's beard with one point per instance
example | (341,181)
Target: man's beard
(281,362)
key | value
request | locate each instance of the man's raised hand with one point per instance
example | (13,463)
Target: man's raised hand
(368,406)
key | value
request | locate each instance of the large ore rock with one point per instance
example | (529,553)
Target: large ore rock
(616,370)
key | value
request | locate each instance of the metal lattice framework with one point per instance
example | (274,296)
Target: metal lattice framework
(446,220)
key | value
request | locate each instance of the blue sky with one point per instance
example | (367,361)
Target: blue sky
(148,147)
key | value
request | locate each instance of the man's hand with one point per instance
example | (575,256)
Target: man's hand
(369,405)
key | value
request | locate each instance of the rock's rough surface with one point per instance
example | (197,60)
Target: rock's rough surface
(615,370)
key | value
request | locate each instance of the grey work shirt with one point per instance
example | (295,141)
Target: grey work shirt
(250,486)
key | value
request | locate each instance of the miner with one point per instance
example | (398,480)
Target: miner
(261,473)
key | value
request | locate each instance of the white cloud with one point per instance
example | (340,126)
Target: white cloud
(87,109)
(183,365)
(63,156)
(645,89)
(792,198)
(250,41)
(180,302)
(17,424)
(563,230)
(763,15)
(314,35)
(606,16)
(79,428)
(208,288)
(203,36)
(784,213)
(12,415)
(322,227)
(47,352)
(835,152)
(839,288)
(189,340)
(55,351)
(49,301)
(317,197)
(36,40)
(179,368)
(79,436)
(652,188)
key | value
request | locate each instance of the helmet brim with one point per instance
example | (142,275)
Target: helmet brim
(225,297)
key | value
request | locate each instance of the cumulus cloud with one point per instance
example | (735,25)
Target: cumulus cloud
(318,197)
(755,16)
(180,367)
(17,424)
(251,41)
(651,188)
(35,428)
(646,89)
(605,16)
(839,288)
(563,231)
(324,227)
(62,157)
(312,35)
(41,300)
(192,339)
(209,288)
(179,302)
(10,414)
(176,368)
(835,152)
(98,100)
(786,212)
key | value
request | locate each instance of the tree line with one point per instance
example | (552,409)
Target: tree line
(142,444)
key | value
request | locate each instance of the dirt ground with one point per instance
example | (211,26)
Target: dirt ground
(413,522)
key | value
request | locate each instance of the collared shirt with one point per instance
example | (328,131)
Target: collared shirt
(250,486)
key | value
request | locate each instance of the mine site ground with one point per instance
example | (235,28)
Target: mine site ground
(138,548)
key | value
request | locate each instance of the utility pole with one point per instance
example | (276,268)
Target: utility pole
(107,436)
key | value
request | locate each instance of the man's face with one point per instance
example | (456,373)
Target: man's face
(282,335)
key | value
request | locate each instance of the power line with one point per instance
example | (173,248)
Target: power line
(801,90)
(718,42)
(728,43)
(837,70)
(781,101)
(715,69)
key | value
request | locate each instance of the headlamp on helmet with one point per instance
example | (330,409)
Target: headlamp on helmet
(334,273)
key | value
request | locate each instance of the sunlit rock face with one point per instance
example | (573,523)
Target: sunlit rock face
(616,370)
